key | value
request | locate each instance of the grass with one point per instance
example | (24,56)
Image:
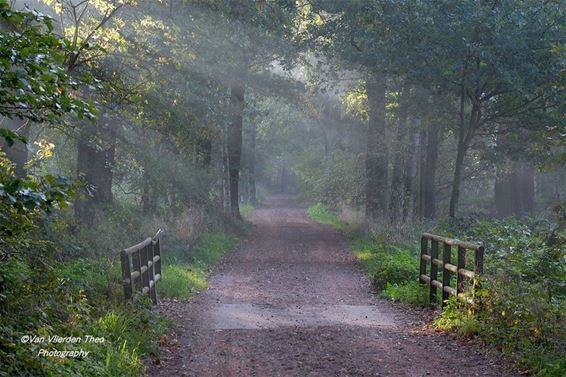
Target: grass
(84,296)
(186,271)
(74,298)
(322,214)
(393,270)
(246,210)
(520,309)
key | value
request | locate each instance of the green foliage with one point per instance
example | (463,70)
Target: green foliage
(246,210)
(408,292)
(187,270)
(179,281)
(521,308)
(455,316)
(23,202)
(394,268)
(75,298)
(35,85)
(337,178)
(385,263)
(320,213)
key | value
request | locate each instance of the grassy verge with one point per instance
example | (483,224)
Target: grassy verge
(392,268)
(320,213)
(246,210)
(185,271)
(521,308)
(84,296)
(77,298)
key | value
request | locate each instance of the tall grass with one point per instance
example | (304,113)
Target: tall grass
(186,270)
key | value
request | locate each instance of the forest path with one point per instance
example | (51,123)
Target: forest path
(292,301)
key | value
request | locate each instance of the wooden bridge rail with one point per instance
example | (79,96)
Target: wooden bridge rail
(141,267)
(430,256)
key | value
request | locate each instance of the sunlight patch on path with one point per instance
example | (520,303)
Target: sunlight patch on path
(248,316)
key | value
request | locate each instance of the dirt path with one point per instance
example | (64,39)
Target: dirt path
(292,301)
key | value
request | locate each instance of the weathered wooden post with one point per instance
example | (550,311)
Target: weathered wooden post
(461,263)
(150,273)
(446,257)
(126,274)
(424,251)
(136,276)
(433,270)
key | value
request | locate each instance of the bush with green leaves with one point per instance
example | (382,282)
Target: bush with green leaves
(393,270)
(74,298)
(521,308)
(337,178)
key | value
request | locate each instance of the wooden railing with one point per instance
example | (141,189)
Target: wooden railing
(430,256)
(141,267)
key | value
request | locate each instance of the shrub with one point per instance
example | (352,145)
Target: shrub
(408,292)
(395,267)
(522,306)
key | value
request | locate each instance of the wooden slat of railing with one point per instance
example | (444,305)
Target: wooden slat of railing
(424,255)
(461,266)
(451,241)
(433,270)
(137,266)
(150,274)
(446,255)
(446,267)
(126,274)
(144,271)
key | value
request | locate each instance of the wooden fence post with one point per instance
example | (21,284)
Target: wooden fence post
(446,258)
(136,263)
(151,275)
(145,269)
(433,270)
(424,251)
(461,266)
(126,274)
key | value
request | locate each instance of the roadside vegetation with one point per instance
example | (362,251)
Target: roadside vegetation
(186,271)
(122,117)
(521,306)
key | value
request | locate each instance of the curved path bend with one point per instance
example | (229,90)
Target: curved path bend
(292,301)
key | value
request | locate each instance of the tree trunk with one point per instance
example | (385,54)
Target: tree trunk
(515,189)
(251,165)
(235,146)
(526,194)
(421,170)
(225,200)
(410,172)
(397,188)
(429,172)
(465,135)
(376,153)
(95,159)
(458,170)
(204,151)
(148,196)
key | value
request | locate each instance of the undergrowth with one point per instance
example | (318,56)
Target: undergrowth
(186,270)
(68,283)
(74,298)
(521,307)
(322,214)
(246,210)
